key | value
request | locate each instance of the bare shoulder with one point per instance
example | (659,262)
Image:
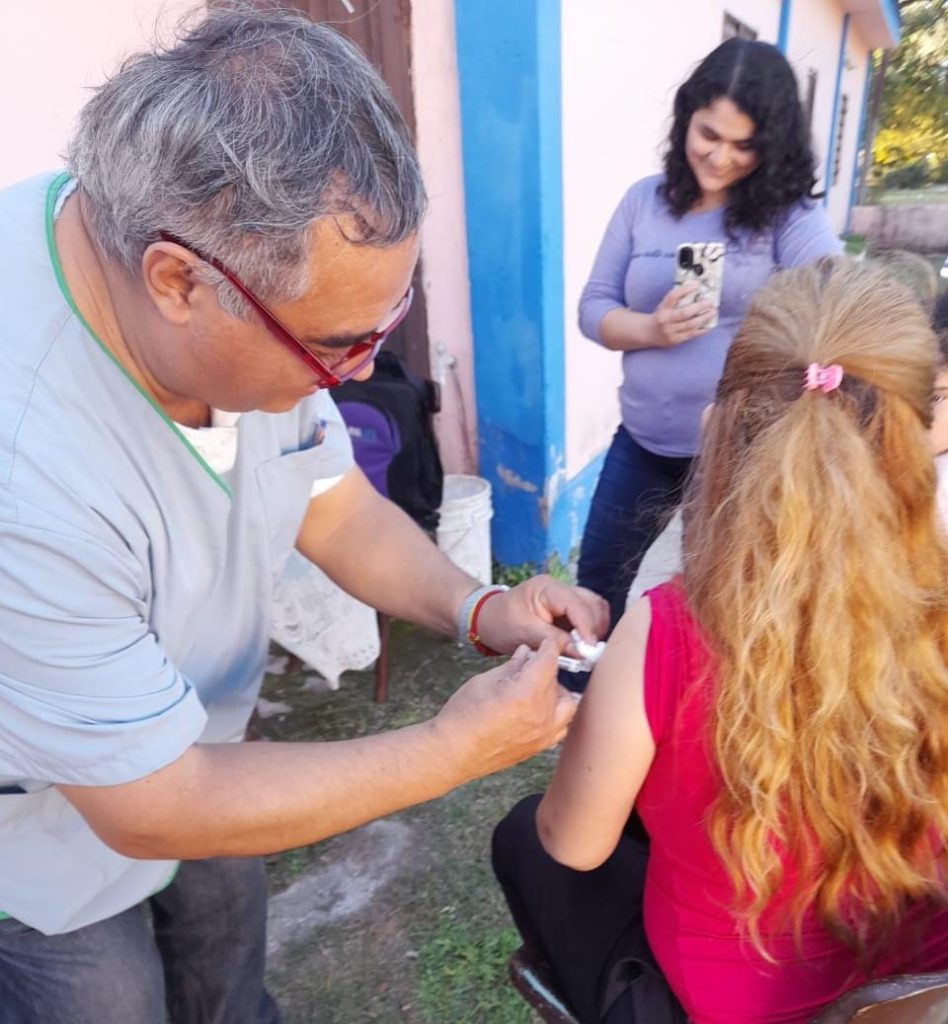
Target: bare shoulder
(625,651)
(635,623)
(614,697)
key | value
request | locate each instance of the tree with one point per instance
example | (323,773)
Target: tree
(880,64)
(913,112)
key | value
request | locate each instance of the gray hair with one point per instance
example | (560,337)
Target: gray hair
(236,139)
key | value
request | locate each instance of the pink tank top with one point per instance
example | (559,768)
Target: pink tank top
(718,977)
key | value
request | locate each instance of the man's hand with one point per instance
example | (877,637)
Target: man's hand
(540,609)
(501,717)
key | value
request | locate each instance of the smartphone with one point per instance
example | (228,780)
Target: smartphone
(702,262)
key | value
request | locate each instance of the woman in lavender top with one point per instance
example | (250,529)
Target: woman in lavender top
(739,170)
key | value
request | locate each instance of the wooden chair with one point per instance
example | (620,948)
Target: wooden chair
(533,979)
(903,999)
(381,664)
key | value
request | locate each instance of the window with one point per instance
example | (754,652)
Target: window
(733,27)
(810,98)
(840,128)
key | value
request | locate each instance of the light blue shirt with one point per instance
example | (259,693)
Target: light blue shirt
(135,583)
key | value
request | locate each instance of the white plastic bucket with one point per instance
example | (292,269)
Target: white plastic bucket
(464,526)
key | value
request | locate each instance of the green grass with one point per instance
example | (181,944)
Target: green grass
(462,974)
(511,575)
(433,946)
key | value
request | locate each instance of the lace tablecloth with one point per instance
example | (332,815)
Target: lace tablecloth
(321,624)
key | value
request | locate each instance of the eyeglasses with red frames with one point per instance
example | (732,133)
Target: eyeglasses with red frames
(351,361)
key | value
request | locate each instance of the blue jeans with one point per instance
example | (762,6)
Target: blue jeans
(198,957)
(635,493)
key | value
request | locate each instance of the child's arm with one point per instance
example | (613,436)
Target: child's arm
(606,755)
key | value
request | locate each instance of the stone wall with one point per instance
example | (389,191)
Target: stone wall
(919,228)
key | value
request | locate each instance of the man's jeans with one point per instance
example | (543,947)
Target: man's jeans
(197,956)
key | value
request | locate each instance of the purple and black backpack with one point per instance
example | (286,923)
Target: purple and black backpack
(389,420)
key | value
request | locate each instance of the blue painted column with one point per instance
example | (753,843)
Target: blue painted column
(783,33)
(509,69)
(834,122)
(893,19)
(860,141)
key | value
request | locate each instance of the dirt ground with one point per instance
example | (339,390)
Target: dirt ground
(399,921)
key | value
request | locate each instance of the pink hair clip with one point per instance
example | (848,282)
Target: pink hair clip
(822,378)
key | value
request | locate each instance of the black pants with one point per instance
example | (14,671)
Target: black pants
(588,924)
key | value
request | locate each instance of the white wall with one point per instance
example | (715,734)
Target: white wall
(443,237)
(50,54)
(621,67)
(813,43)
(853,85)
(816,31)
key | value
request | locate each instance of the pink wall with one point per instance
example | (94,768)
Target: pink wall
(621,68)
(814,43)
(444,238)
(48,62)
(620,72)
(50,54)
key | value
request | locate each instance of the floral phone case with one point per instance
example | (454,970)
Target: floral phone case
(702,262)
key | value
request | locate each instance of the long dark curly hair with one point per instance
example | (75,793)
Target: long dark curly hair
(757,78)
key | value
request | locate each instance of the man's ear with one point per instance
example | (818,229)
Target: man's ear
(168,275)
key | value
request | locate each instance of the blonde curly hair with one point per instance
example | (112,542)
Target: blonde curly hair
(816,567)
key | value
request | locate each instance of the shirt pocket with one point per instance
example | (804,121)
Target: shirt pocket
(285,484)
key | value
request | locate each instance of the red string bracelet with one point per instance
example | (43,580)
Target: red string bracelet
(472,635)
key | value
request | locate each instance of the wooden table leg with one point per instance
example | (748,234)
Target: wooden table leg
(381,665)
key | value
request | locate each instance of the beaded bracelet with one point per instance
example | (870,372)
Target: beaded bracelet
(468,615)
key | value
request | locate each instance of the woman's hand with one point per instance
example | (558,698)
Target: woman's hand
(673,323)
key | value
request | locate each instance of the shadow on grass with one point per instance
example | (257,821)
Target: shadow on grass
(433,946)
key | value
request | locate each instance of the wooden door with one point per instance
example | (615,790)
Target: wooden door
(382,30)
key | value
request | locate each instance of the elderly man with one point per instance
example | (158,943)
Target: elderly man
(236,234)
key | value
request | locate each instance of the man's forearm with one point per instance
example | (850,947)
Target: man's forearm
(380,556)
(242,799)
(376,553)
